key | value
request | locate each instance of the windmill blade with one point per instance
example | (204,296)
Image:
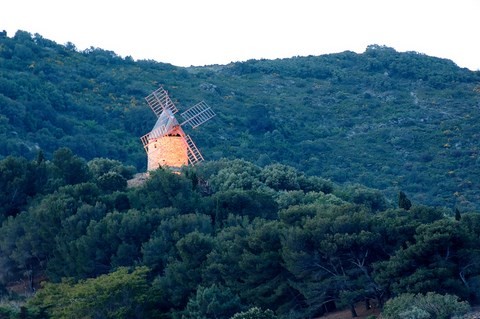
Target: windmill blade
(164,124)
(159,101)
(197,114)
(158,132)
(194,155)
(144,140)
(155,133)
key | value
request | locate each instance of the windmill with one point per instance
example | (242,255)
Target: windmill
(167,144)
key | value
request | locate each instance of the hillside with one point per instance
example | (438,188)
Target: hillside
(219,239)
(389,120)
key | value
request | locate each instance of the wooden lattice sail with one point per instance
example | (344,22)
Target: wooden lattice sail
(167,144)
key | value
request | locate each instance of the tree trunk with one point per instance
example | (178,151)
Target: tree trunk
(23,312)
(368,306)
(352,309)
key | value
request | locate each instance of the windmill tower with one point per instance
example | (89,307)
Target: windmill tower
(167,144)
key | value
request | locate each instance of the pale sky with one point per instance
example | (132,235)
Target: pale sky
(204,32)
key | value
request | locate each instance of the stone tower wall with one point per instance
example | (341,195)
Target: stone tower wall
(169,150)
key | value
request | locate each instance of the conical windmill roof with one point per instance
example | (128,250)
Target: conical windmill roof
(165,122)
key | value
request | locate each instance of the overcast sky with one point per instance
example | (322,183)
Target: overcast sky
(204,32)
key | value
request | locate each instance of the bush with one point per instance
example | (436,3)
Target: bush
(429,306)
(212,302)
(255,313)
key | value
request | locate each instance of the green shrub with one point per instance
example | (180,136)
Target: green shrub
(429,306)
(414,313)
(212,302)
(255,313)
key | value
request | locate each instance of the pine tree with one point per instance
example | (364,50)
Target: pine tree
(458,216)
(403,201)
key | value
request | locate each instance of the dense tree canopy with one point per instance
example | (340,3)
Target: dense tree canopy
(255,238)
(333,180)
(392,121)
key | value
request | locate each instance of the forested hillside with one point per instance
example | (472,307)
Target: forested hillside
(389,120)
(330,181)
(224,238)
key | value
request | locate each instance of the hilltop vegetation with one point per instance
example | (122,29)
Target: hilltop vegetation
(389,120)
(220,239)
(331,180)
